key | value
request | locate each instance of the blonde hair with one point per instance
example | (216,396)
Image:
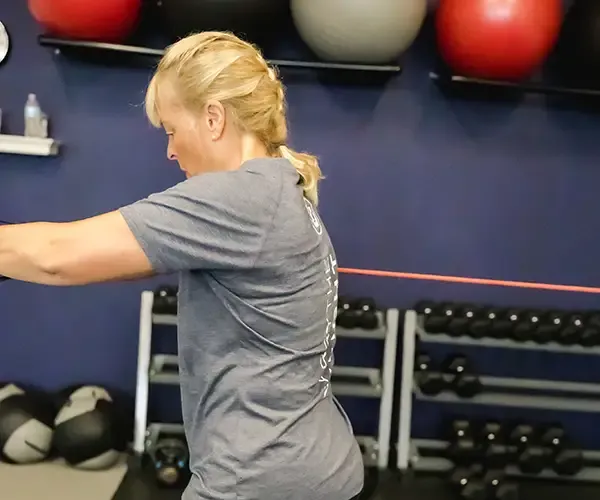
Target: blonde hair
(220,66)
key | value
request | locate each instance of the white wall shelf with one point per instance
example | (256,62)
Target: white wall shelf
(30,146)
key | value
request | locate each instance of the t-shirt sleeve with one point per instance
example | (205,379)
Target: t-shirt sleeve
(211,221)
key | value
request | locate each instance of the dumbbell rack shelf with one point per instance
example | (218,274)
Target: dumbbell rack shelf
(421,462)
(346,381)
(499,391)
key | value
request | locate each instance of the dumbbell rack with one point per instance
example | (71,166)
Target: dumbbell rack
(508,392)
(366,382)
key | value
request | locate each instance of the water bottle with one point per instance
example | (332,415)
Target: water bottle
(33,117)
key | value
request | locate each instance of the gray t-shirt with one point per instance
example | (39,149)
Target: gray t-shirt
(258,292)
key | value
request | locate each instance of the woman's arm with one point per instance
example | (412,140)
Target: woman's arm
(93,250)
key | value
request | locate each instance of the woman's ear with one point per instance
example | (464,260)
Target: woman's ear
(215,118)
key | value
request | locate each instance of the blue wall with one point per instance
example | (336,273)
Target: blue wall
(415,182)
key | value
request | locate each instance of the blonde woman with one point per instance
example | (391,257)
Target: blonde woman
(257,271)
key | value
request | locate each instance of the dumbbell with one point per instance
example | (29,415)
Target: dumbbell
(466,483)
(525,327)
(572,328)
(430,381)
(526,452)
(347,313)
(366,317)
(461,319)
(548,328)
(462,448)
(476,483)
(503,322)
(494,450)
(165,300)
(485,323)
(590,335)
(458,371)
(170,460)
(566,459)
(436,316)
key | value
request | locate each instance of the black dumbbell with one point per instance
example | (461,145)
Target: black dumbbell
(165,300)
(366,314)
(548,328)
(347,313)
(430,381)
(567,459)
(483,324)
(460,378)
(529,455)
(436,317)
(495,452)
(467,483)
(463,449)
(526,325)
(502,322)
(496,486)
(590,335)
(570,333)
(462,319)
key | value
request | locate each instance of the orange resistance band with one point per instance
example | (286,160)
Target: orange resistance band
(470,281)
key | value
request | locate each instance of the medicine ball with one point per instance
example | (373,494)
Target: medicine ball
(85,432)
(505,40)
(578,51)
(359,31)
(26,425)
(105,21)
(251,20)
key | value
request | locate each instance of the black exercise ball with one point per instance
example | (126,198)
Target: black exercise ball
(86,432)
(252,20)
(26,425)
(577,58)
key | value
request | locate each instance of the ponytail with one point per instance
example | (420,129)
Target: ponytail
(308,168)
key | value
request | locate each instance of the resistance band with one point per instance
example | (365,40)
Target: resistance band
(471,281)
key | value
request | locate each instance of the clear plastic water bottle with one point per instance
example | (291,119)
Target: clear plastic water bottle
(33,117)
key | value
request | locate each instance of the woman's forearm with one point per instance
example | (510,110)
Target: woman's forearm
(28,252)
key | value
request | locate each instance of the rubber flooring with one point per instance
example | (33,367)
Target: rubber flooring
(139,485)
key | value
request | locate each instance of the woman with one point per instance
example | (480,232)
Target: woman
(258,278)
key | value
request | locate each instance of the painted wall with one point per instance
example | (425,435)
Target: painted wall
(415,182)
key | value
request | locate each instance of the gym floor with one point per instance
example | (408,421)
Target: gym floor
(138,485)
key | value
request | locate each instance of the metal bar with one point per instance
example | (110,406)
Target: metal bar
(406,389)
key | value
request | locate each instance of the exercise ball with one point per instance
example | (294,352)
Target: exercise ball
(86,434)
(578,54)
(503,39)
(101,21)
(359,31)
(26,425)
(251,20)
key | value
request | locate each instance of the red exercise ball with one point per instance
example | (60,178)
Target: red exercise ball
(94,20)
(497,39)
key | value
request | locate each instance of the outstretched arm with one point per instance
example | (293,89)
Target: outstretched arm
(98,249)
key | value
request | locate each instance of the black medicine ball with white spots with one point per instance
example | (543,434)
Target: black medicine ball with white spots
(26,425)
(85,430)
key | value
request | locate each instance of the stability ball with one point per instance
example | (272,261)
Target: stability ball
(503,39)
(100,21)
(578,54)
(251,20)
(359,31)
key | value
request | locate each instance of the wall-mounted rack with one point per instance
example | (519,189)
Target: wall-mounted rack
(113,49)
(32,146)
(497,391)
(353,381)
